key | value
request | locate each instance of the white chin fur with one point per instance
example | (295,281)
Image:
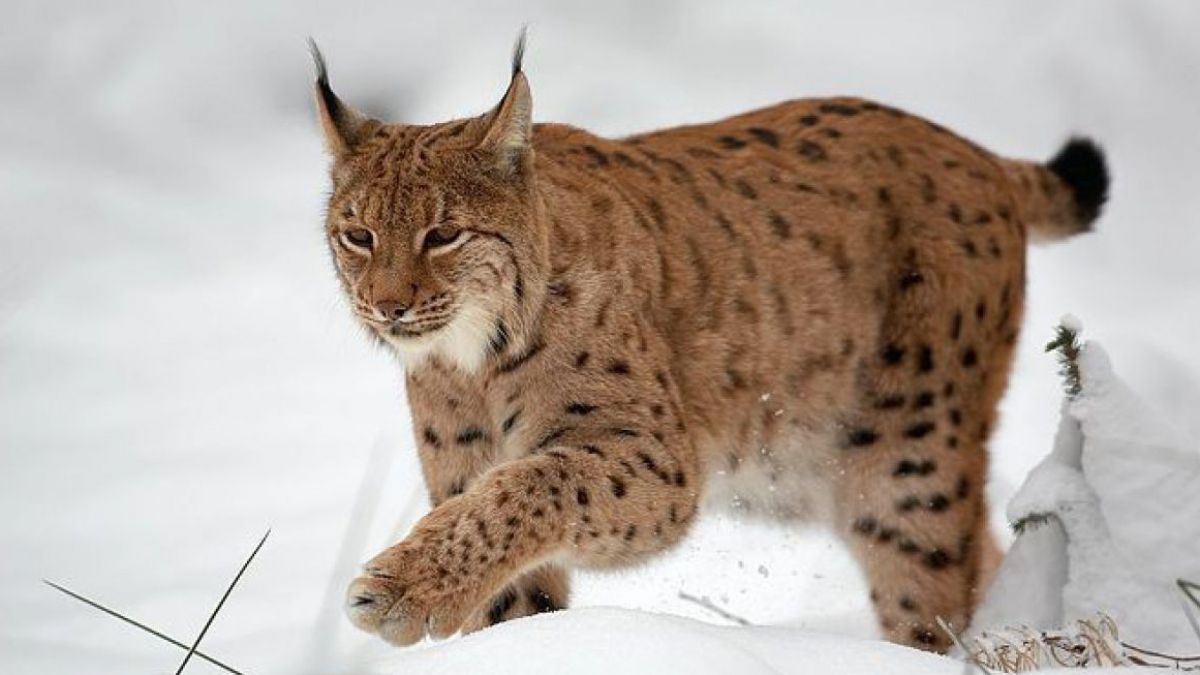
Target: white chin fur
(463,343)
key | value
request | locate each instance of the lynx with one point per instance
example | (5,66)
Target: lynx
(805,313)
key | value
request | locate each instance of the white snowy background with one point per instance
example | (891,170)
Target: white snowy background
(177,371)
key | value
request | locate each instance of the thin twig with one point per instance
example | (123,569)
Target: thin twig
(1186,587)
(969,660)
(708,604)
(137,624)
(1151,652)
(221,603)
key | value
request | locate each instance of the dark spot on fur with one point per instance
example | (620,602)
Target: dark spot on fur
(780,226)
(618,486)
(618,368)
(919,430)
(890,402)
(862,437)
(969,358)
(764,136)
(811,151)
(598,158)
(908,467)
(431,437)
(809,120)
(892,354)
(551,437)
(937,559)
(657,213)
(521,359)
(501,606)
(838,109)
(731,142)
(923,400)
(470,435)
(865,525)
(510,421)
(911,278)
(938,503)
(925,359)
(580,408)
(909,503)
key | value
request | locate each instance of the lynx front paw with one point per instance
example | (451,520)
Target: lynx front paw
(405,594)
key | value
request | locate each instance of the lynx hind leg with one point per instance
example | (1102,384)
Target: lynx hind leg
(911,504)
(545,589)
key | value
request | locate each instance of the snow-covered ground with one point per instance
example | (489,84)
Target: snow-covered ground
(177,372)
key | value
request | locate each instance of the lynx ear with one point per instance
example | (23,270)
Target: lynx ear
(343,126)
(509,126)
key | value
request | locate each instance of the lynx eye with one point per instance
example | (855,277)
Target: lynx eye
(359,237)
(440,236)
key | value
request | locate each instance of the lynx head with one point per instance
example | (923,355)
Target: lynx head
(436,230)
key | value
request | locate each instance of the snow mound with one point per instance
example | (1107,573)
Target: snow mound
(1108,521)
(608,640)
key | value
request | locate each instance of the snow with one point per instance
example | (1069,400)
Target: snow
(1112,520)
(177,371)
(606,640)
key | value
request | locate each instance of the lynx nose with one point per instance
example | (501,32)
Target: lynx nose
(391,310)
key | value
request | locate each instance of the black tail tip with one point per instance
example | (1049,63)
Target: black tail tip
(1080,164)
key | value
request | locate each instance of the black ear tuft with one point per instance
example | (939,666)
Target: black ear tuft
(1080,164)
(519,50)
(318,61)
(328,98)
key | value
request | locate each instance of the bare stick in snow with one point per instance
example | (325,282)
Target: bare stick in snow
(137,624)
(968,659)
(708,604)
(1187,587)
(221,603)
(1176,662)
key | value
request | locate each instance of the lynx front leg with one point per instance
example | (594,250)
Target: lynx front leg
(587,497)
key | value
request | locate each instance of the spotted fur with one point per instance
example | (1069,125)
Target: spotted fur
(805,312)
